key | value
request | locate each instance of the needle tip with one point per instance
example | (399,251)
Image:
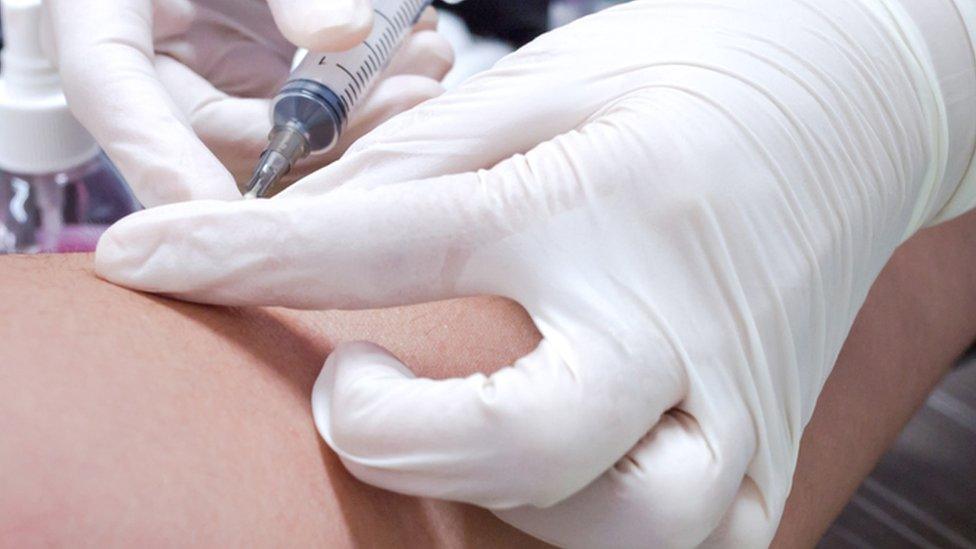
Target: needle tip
(272,167)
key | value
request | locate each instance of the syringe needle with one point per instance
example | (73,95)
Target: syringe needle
(311,110)
(268,172)
(286,148)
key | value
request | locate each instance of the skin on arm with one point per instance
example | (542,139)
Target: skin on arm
(129,418)
(918,319)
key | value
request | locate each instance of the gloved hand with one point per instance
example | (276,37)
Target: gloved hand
(176,91)
(690,199)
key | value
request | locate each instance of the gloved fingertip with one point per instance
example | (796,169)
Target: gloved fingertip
(351,380)
(336,25)
(114,260)
(356,363)
(427,53)
(151,250)
(172,17)
(428,19)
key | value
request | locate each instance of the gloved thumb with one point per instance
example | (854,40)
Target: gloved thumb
(530,434)
(323,25)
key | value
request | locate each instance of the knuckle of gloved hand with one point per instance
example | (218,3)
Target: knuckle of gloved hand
(541,443)
(404,92)
(686,518)
(682,484)
(329,31)
(678,517)
(437,49)
(171,17)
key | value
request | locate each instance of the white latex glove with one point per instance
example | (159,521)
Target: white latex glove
(690,199)
(176,91)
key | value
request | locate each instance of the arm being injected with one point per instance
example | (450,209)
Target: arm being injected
(312,109)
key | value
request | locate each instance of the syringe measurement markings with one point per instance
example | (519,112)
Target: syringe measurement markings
(352,79)
(386,49)
(355,82)
(401,20)
(407,9)
(373,57)
(406,16)
(398,23)
(387,39)
(367,65)
(412,8)
(383,15)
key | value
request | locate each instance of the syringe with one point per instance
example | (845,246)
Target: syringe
(311,110)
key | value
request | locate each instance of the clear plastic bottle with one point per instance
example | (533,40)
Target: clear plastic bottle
(58,192)
(62,211)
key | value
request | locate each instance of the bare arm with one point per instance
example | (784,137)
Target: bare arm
(918,319)
(128,418)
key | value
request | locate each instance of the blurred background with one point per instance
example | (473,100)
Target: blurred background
(923,491)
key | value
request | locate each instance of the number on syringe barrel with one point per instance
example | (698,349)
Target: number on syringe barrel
(350,74)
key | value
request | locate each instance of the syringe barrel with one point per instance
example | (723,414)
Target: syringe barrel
(326,87)
(312,109)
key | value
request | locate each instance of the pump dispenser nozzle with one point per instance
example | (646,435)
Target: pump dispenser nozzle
(38,134)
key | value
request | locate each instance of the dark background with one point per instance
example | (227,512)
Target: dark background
(515,21)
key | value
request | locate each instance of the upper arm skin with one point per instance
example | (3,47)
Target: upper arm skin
(918,319)
(127,418)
